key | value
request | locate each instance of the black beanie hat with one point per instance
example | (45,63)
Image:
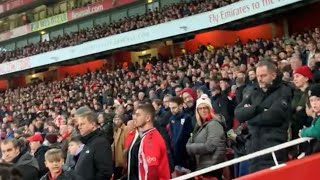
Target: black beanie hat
(314,90)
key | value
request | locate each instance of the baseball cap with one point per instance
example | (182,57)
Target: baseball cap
(36,137)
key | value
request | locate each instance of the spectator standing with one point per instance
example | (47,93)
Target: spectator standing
(180,129)
(64,138)
(208,144)
(106,124)
(37,150)
(95,161)
(189,101)
(24,162)
(301,78)
(120,133)
(147,155)
(54,160)
(314,130)
(267,111)
(74,150)
(222,105)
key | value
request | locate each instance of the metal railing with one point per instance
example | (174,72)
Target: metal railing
(271,150)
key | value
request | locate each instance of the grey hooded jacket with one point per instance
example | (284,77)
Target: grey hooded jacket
(28,166)
(208,144)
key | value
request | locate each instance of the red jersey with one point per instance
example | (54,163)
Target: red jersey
(153,157)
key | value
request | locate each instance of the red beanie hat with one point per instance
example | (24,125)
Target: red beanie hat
(190,91)
(304,71)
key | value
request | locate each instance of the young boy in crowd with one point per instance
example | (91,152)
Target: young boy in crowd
(74,150)
(314,130)
(54,161)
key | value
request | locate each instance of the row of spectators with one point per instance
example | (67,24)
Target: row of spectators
(165,14)
(253,93)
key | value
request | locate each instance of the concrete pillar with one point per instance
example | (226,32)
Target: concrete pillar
(285,27)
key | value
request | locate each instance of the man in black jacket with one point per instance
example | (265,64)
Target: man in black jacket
(267,111)
(38,151)
(222,105)
(95,161)
(24,162)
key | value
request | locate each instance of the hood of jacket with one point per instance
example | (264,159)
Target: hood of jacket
(41,150)
(27,159)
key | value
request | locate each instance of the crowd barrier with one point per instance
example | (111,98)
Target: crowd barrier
(271,150)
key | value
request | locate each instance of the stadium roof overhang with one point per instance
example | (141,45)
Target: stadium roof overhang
(233,25)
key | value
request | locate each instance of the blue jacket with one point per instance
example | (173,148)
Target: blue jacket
(180,129)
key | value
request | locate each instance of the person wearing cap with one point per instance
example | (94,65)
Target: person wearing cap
(267,111)
(314,98)
(302,77)
(38,151)
(208,143)
(189,98)
(24,162)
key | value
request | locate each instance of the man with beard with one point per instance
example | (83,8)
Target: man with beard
(180,129)
(267,111)
(189,98)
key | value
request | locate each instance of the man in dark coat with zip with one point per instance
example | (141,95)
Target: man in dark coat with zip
(95,160)
(267,111)
(23,161)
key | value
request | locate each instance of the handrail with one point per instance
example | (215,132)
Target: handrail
(244,158)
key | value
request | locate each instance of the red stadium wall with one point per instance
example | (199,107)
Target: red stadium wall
(302,169)
(122,56)
(216,38)
(80,69)
(263,31)
(17,82)
(305,20)
(220,38)
(164,51)
(3,85)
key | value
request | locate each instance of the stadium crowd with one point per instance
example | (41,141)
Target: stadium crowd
(165,14)
(169,116)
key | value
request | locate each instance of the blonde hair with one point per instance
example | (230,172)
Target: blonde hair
(54,155)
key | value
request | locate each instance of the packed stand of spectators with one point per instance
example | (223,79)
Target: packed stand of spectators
(169,116)
(165,14)
(51,10)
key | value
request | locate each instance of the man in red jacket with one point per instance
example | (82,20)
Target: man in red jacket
(147,155)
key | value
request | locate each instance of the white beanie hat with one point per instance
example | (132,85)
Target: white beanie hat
(204,99)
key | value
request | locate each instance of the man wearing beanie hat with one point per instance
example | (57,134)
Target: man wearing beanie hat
(301,78)
(189,98)
(304,71)
(314,98)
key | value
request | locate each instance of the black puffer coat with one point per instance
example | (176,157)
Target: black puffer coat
(268,121)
